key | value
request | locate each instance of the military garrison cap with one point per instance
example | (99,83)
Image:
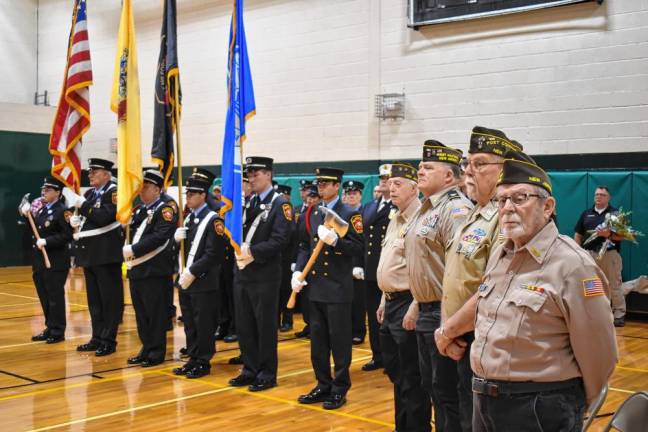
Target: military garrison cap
(484,140)
(517,171)
(404,170)
(434,151)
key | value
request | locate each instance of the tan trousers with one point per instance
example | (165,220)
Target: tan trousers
(611,264)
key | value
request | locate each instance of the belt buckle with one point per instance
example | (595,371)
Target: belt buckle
(481,386)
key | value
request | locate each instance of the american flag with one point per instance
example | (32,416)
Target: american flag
(72,118)
(593,287)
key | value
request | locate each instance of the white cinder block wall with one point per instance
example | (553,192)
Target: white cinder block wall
(563,80)
(18,50)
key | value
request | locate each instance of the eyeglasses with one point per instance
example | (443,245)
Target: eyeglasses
(601,194)
(518,199)
(477,166)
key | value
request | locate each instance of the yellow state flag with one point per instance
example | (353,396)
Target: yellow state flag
(125,102)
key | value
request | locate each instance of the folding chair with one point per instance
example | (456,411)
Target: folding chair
(594,408)
(632,415)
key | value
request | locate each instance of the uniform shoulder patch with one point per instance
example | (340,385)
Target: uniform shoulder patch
(593,287)
(219,227)
(67,214)
(167,213)
(287,211)
(114,198)
(356,222)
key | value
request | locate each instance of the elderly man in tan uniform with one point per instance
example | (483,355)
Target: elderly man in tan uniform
(427,238)
(472,244)
(544,339)
(399,347)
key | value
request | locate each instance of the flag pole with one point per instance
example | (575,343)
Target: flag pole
(176,114)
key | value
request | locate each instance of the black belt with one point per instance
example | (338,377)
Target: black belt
(430,306)
(496,388)
(396,294)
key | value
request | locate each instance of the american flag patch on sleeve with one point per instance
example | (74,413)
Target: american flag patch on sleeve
(593,287)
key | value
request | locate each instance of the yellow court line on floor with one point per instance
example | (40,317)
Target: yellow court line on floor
(85,307)
(66,338)
(621,390)
(632,369)
(130,410)
(34,302)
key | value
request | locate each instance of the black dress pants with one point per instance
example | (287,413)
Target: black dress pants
(150,301)
(199,315)
(400,356)
(50,286)
(330,329)
(105,290)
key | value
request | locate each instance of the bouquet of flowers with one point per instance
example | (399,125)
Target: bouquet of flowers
(619,224)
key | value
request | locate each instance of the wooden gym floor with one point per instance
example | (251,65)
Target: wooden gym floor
(53,387)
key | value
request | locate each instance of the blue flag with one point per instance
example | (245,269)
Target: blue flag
(240,108)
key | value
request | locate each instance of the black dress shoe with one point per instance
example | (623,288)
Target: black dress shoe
(286,327)
(372,365)
(40,336)
(220,334)
(315,395)
(135,360)
(199,370)
(242,380)
(357,340)
(183,352)
(230,338)
(55,339)
(262,384)
(334,402)
(87,347)
(235,360)
(618,322)
(182,370)
(150,363)
(104,351)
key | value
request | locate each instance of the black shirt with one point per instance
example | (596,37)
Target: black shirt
(589,220)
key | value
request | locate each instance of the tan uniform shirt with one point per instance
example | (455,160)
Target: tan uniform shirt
(467,257)
(392,272)
(428,238)
(542,315)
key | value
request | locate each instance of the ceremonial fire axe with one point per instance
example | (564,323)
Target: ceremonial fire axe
(332,221)
(25,200)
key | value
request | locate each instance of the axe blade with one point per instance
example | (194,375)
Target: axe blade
(334,221)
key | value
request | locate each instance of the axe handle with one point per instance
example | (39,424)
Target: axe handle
(33,226)
(307,267)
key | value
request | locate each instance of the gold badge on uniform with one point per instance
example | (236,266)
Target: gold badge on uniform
(47,223)
(296,217)
(219,227)
(356,221)
(114,197)
(67,214)
(167,214)
(287,211)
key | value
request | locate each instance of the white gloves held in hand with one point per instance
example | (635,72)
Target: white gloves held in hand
(358,273)
(40,243)
(72,199)
(327,235)
(295,283)
(127,251)
(186,279)
(245,257)
(75,221)
(180,234)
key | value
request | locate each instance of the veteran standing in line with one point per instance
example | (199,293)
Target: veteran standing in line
(150,259)
(472,245)
(98,249)
(544,344)
(399,347)
(443,211)
(51,221)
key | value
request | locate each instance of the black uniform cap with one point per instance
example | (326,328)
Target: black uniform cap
(196,184)
(204,174)
(258,162)
(283,189)
(96,163)
(312,191)
(329,174)
(52,182)
(353,185)
(154,176)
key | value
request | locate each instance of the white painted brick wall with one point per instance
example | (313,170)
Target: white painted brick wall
(18,50)
(568,79)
